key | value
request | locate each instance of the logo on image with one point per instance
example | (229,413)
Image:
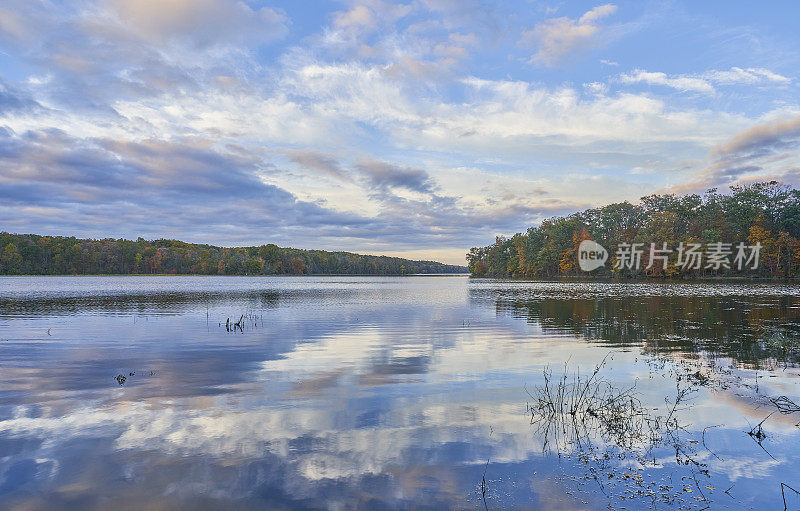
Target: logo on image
(591,255)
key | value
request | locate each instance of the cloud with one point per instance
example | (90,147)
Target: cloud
(749,76)
(353,90)
(558,38)
(317,162)
(12,100)
(125,50)
(203,22)
(154,187)
(768,151)
(318,106)
(705,82)
(400,205)
(364,29)
(504,112)
(383,175)
(597,14)
(199,190)
(394,35)
(596,88)
(357,18)
(775,135)
(12,25)
(682,83)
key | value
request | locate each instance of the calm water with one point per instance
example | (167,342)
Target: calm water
(395,393)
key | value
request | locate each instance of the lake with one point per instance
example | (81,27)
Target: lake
(435,392)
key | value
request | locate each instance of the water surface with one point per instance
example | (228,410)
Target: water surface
(394,393)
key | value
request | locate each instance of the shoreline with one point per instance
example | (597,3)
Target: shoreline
(643,280)
(235,275)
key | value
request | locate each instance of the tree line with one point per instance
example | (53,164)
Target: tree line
(31,254)
(765,214)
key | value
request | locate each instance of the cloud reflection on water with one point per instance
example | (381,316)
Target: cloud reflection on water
(387,393)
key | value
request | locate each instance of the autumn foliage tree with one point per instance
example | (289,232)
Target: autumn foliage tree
(55,255)
(767,213)
(569,257)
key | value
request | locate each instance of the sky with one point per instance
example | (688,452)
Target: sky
(418,128)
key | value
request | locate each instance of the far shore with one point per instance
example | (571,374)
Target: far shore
(236,275)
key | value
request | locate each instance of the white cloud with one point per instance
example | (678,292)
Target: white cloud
(682,83)
(736,75)
(203,22)
(705,82)
(596,88)
(509,109)
(558,38)
(597,13)
(358,17)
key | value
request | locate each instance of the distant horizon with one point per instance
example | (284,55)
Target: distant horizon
(412,255)
(134,238)
(37,254)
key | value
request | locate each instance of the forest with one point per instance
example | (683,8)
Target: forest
(30,254)
(764,214)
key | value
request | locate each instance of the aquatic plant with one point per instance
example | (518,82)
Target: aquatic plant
(607,429)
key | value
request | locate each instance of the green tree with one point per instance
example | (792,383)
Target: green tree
(10,260)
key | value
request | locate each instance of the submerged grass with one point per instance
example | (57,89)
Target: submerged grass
(605,427)
(574,410)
